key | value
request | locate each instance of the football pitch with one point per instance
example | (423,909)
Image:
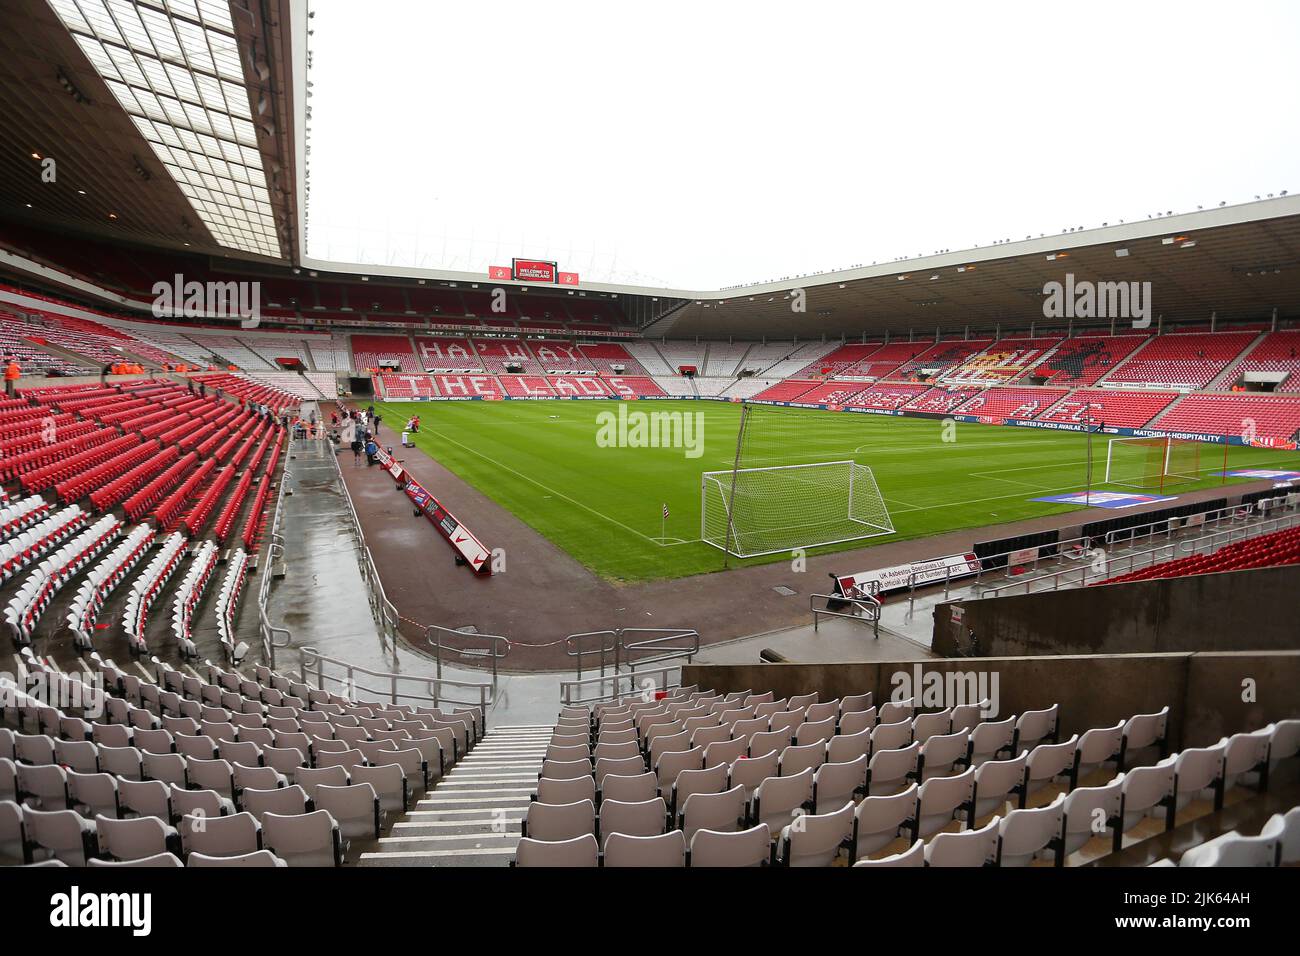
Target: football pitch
(552,465)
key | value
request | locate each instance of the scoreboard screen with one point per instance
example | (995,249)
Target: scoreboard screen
(535,270)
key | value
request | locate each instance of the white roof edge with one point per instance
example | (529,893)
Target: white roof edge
(1254,211)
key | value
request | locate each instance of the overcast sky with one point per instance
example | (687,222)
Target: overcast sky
(699,145)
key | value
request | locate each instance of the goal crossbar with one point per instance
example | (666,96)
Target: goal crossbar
(748,512)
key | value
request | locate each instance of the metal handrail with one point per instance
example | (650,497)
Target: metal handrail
(1156,555)
(664,643)
(607,649)
(869,607)
(427,689)
(497,647)
(618,685)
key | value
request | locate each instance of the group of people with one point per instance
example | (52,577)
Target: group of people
(412,428)
(123,368)
(359,430)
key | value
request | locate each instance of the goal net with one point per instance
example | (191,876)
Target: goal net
(753,511)
(1152,462)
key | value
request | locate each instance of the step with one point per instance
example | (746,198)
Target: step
(495,856)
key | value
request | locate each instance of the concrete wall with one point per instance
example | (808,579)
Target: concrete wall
(1233,611)
(1204,692)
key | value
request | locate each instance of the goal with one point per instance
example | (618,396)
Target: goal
(1152,462)
(748,512)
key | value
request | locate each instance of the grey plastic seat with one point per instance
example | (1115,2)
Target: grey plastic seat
(550,790)
(390,783)
(581,851)
(967,848)
(354,808)
(912,856)
(309,778)
(47,785)
(661,850)
(816,839)
(157,861)
(62,834)
(199,803)
(169,768)
(258,858)
(743,848)
(91,794)
(721,812)
(643,818)
(13,837)
(644,786)
(146,798)
(77,755)
(221,836)
(306,839)
(879,821)
(835,784)
(282,800)
(778,800)
(556,822)
(136,838)
(1027,833)
(216,775)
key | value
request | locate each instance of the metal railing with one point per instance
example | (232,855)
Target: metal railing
(352,681)
(613,686)
(1116,565)
(868,610)
(271,635)
(990,564)
(631,647)
(493,647)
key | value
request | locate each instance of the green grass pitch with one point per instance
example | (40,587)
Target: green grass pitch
(541,461)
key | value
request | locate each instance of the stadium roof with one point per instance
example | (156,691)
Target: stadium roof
(168,122)
(151,110)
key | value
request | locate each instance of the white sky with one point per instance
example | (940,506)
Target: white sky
(704,144)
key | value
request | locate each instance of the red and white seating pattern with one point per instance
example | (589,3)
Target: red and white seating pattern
(190,592)
(1087,358)
(368,351)
(1190,360)
(1245,415)
(146,588)
(1094,406)
(1003,361)
(1276,352)
(886,396)
(1003,403)
(940,399)
(24,548)
(1266,551)
(103,579)
(232,587)
(33,597)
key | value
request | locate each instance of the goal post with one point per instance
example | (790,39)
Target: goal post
(748,512)
(1152,462)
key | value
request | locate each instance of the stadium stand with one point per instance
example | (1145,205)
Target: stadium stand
(1085,359)
(1275,352)
(1265,416)
(1183,360)
(1092,406)
(1265,551)
(1002,403)
(371,351)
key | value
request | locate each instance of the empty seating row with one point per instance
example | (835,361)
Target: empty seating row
(25,547)
(33,597)
(103,579)
(191,591)
(146,588)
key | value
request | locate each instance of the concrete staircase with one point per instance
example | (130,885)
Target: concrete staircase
(472,815)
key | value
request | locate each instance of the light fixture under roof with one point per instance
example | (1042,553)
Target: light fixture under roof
(174,66)
(1121,253)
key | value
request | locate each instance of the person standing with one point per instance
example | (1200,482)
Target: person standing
(12,373)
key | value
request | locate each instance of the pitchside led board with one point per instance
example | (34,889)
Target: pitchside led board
(533,270)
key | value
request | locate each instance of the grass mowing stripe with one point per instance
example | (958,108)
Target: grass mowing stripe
(540,460)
